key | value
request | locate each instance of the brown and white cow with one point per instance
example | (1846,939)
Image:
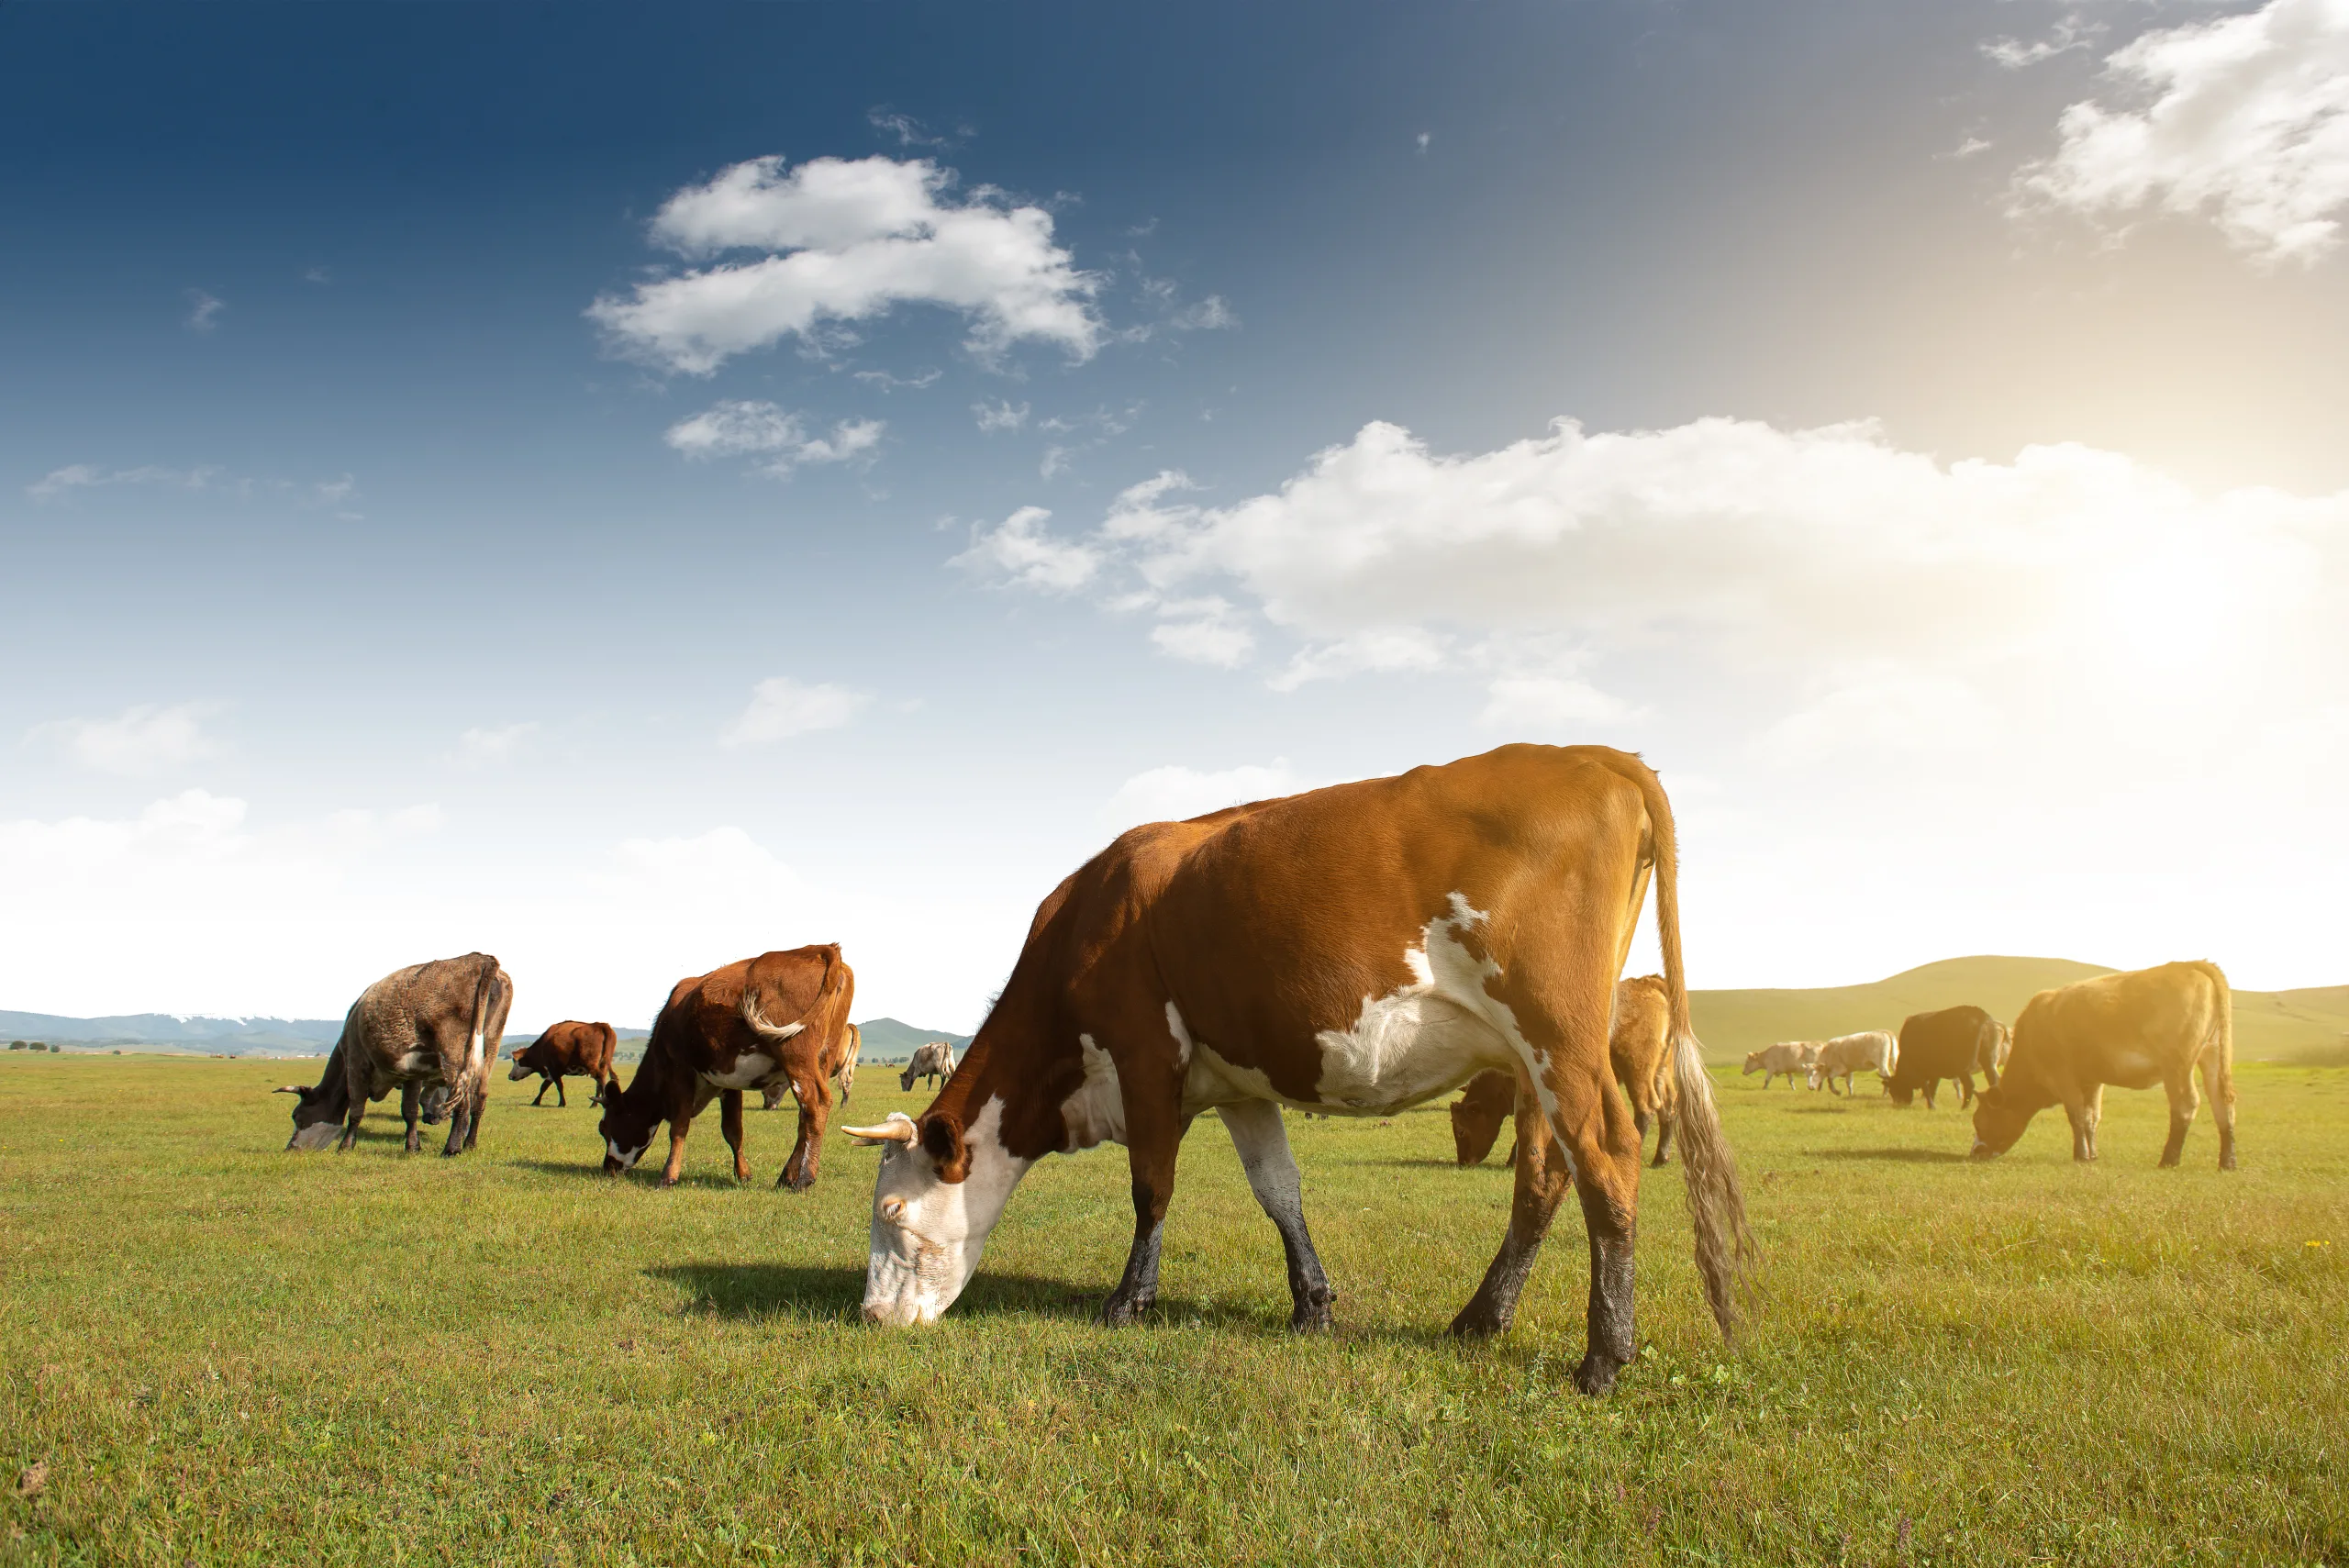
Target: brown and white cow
(430,1025)
(1639,1049)
(779,1018)
(563,1049)
(1870,1051)
(932,1061)
(1955,1043)
(1357,949)
(779,1089)
(2146,1027)
(1792,1058)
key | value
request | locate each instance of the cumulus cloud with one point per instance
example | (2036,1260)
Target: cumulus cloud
(847,241)
(752,427)
(1555,567)
(204,310)
(1000,415)
(1173,794)
(481,746)
(144,738)
(2244,118)
(76,477)
(782,707)
(2071,31)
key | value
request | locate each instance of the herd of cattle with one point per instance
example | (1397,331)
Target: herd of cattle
(1351,950)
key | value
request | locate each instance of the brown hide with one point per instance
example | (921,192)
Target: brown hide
(570,1049)
(1639,1049)
(730,1031)
(2167,1026)
(414,1029)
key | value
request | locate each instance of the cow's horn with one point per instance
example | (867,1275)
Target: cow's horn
(897,1130)
(289,1088)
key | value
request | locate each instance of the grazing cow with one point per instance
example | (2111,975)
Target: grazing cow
(1790,1057)
(2146,1027)
(1956,1043)
(1873,1051)
(1359,950)
(1639,1050)
(933,1062)
(569,1046)
(780,1018)
(772,1095)
(430,1027)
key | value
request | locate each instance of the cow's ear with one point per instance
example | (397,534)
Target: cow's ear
(942,1137)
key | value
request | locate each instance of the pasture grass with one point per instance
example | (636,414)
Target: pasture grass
(223,1353)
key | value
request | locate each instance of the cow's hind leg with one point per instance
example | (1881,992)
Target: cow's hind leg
(729,1122)
(1542,1171)
(1262,1143)
(2219,1077)
(2185,1100)
(562,1100)
(411,1109)
(1667,1123)
(814,1093)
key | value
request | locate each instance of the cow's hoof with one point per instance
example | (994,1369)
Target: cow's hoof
(2227,1160)
(1595,1375)
(1659,1162)
(1313,1315)
(1477,1321)
(1121,1311)
(2168,1163)
(791,1183)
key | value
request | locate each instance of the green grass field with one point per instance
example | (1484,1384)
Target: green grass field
(224,1353)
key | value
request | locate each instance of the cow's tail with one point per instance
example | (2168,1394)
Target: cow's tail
(1726,1251)
(2220,1041)
(473,1080)
(822,1014)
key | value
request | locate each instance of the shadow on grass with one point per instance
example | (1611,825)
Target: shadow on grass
(1890,1156)
(591,1166)
(817,1295)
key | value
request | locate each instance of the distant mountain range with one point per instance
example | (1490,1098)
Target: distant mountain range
(2306,1025)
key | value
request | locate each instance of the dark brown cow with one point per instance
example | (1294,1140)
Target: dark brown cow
(779,1016)
(1639,1049)
(2146,1027)
(567,1048)
(433,1026)
(1956,1043)
(1357,949)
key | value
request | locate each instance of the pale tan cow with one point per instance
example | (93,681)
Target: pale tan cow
(1870,1051)
(1794,1058)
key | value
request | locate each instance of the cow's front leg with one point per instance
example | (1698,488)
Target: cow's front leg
(815,1110)
(679,1126)
(729,1122)
(350,1138)
(546,1081)
(1154,1129)
(1542,1171)
(1262,1142)
(411,1111)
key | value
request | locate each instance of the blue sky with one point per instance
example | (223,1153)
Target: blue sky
(626,488)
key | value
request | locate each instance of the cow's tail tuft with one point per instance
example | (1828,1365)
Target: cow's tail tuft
(1727,1254)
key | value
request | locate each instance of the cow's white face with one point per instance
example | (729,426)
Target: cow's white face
(618,1160)
(927,1232)
(315,1135)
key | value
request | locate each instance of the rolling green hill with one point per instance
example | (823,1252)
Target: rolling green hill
(2270,1026)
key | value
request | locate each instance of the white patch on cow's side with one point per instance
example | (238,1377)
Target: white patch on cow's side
(1212,1081)
(927,1233)
(750,1070)
(1175,1026)
(413,1064)
(1096,1113)
(628,1160)
(1427,1036)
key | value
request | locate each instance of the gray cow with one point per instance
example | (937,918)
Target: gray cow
(933,1060)
(430,1028)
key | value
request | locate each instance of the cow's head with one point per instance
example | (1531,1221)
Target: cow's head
(435,1105)
(525,1062)
(316,1122)
(1475,1127)
(1997,1122)
(1752,1062)
(939,1191)
(626,1132)
(1901,1093)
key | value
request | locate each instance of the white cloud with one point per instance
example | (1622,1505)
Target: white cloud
(1540,705)
(145,739)
(85,476)
(1173,794)
(2244,118)
(1020,552)
(1000,415)
(848,241)
(737,428)
(1206,631)
(1967,148)
(780,707)
(1877,712)
(204,311)
(2070,32)
(482,746)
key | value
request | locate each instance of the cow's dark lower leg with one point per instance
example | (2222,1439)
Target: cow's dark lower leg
(562,1100)
(461,1123)
(1613,1225)
(546,1082)
(411,1110)
(2219,1078)
(814,1109)
(479,1102)
(1542,1171)
(2185,1100)
(350,1138)
(729,1122)
(1262,1143)
(1152,1139)
(1665,1126)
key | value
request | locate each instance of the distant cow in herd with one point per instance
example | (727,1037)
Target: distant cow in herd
(568,1049)
(431,1026)
(1793,1058)
(2166,1025)
(1638,1049)
(1956,1043)
(932,1061)
(1870,1051)
(780,1018)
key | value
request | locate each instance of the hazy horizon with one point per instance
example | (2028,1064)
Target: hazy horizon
(698,483)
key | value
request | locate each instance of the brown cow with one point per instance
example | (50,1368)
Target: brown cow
(778,1089)
(1359,950)
(567,1048)
(781,1015)
(432,1025)
(1638,1049)
(1955,1043)
(2146,1027)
